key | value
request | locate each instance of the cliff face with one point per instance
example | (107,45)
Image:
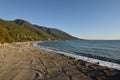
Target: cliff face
(21,30)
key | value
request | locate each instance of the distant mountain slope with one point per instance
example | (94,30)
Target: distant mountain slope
(30,27)
(21,30)
(58,34)
(44,32)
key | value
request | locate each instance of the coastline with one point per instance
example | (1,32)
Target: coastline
(85,58)
(22,61)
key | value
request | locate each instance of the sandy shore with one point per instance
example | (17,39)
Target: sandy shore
(22,61)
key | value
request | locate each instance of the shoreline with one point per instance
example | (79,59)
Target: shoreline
(22,61)
(87,59)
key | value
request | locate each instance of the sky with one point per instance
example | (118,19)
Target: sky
(87,19)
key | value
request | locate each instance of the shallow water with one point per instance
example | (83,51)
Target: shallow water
(108,50)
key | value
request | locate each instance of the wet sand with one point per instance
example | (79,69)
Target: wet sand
(22,61)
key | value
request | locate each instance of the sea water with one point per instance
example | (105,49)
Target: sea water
(88,50)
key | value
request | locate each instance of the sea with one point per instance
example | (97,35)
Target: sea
(104,52)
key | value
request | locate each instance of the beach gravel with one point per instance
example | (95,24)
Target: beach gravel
(22,61)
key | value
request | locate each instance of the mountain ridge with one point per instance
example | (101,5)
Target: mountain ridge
(21,30)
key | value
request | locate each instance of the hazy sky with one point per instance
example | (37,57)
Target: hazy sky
(88,19)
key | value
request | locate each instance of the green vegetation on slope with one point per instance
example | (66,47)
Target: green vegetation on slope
(44,32)
(20,30)
(58,34)
(16,32)
(30,27)
(4,35)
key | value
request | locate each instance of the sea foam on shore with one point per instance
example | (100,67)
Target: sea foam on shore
(87,59)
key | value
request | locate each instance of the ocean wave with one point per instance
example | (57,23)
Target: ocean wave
(87,59)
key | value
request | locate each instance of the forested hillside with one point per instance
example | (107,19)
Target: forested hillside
(21,30)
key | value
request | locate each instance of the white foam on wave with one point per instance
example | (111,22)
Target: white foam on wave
(87,59)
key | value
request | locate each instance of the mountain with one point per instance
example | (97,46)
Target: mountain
(30,27)
(58,34)
(10,32)
(45,32)
(21,30)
